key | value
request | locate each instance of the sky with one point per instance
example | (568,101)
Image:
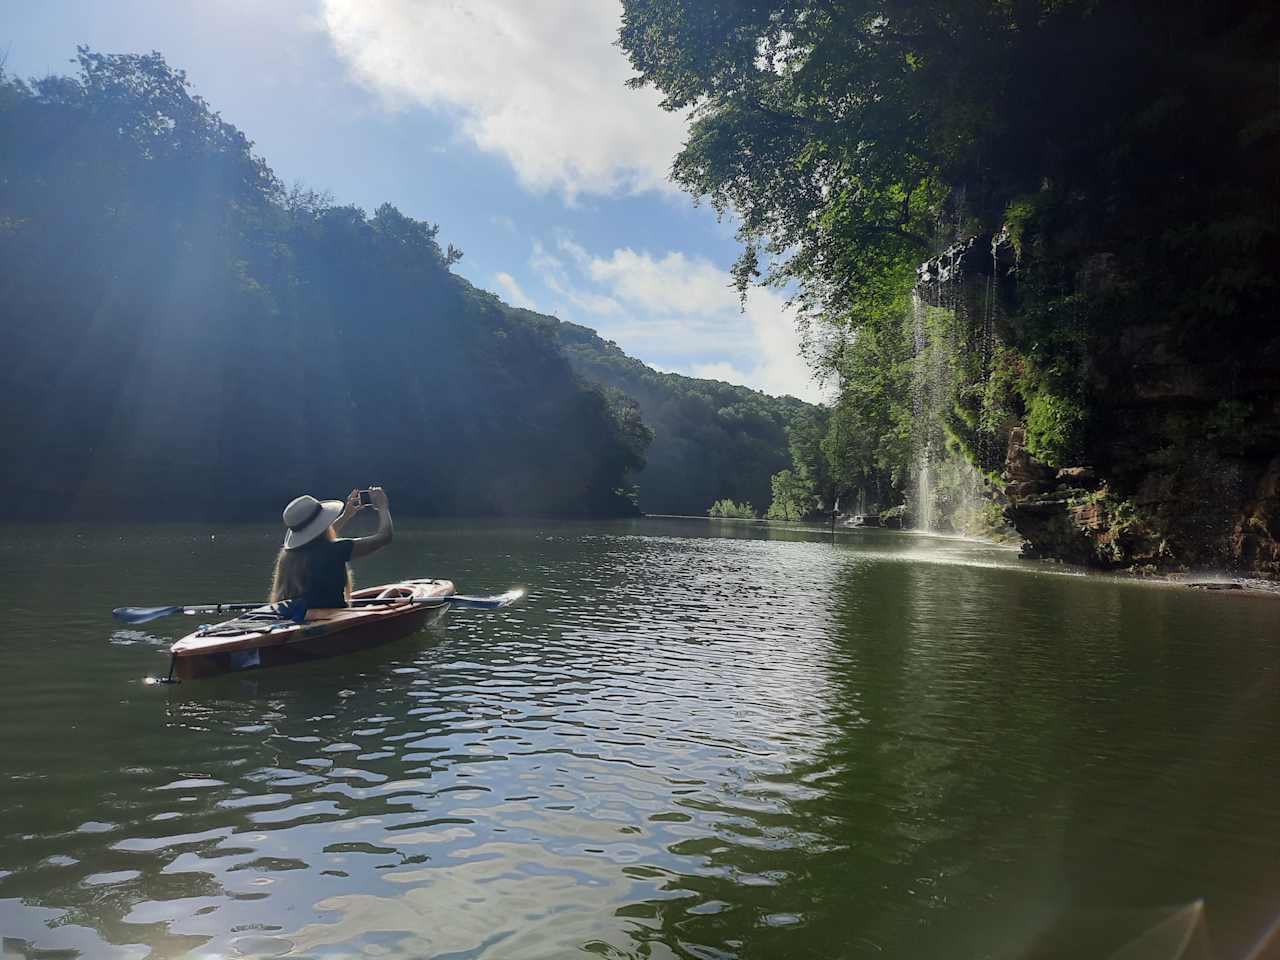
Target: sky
(506,122)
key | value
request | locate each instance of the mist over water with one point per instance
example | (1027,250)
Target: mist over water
(696,740)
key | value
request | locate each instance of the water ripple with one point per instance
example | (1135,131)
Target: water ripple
(683,746)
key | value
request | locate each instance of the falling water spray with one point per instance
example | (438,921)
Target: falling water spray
(923,395)
(924,492)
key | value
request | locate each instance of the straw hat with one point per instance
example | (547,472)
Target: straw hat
(307,518)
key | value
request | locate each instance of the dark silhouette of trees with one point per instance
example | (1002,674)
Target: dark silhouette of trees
(185,337)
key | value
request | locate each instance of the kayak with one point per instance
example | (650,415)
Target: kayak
(264,638)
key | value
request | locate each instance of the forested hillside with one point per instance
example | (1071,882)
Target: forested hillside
(711,439)
(185,337)
(1036,240)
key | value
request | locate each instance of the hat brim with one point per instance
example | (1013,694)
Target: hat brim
(330,510)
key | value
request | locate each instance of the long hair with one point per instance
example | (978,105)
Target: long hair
(292,573)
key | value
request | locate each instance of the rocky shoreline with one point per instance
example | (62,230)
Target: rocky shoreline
(1178,465)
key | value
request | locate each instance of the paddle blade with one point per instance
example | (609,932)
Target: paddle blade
(142,614)
(494,602)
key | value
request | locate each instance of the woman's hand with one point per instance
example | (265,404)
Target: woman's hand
(349,510)
(366,545)
(353,504)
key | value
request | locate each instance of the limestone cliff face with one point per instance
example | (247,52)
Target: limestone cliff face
(1183,475)
(1178,467)
(1173,521)
(1255,537)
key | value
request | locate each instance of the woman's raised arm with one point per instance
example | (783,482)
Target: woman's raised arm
(363,546)
(349,510)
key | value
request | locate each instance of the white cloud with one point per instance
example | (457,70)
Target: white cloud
(782,368)
(681,311)
(515,295)
(720,370)
(555,277)
(539,83)
(674,284)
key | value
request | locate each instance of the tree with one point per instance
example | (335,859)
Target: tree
(845,133)
(793,497)
(809,462)
(727,509)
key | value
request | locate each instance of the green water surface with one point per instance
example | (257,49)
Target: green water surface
(695,740)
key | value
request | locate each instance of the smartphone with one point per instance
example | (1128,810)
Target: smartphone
(365,499)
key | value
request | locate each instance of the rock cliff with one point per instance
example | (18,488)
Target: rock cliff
(1174,463)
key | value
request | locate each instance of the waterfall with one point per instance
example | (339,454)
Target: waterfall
(924,493)
(926,390)
(952,329)
(948,494)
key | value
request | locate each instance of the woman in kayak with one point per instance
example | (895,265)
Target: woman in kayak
(311,569)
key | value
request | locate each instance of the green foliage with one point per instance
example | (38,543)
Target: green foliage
(841,134)
(1055,426)
(729,510)
(806,435)
(1129,530)
(965,503)
(1017,215)
(1001,396)
(896,514)
(710,439)
(990,523)
(186,337)
(810,125)
(870,437)
(794,497)
(1129,150)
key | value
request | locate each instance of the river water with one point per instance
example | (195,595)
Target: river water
(696,739)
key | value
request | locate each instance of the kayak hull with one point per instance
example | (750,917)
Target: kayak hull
(379,615)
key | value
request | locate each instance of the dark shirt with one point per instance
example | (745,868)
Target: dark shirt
(327,584)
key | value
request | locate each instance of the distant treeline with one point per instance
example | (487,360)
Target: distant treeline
(711,440)
(186,337)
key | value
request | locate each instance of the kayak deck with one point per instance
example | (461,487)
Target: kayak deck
(263,638)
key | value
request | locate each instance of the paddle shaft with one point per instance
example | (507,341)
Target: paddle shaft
(147,614)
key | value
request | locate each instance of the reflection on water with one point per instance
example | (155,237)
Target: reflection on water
(751,744)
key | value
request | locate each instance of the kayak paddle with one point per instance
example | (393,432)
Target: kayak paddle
(147,614)
(494,602)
